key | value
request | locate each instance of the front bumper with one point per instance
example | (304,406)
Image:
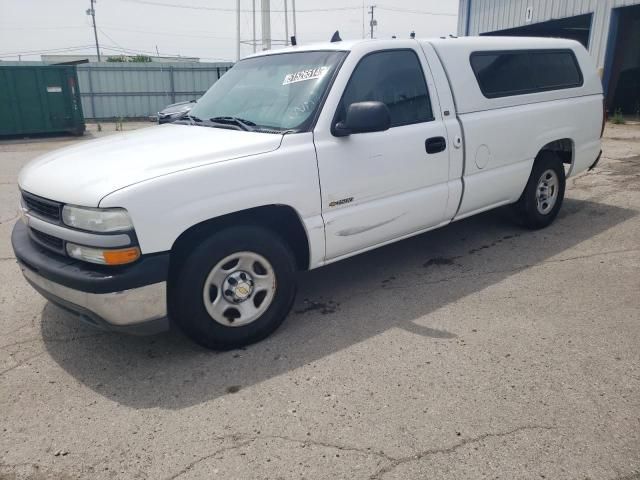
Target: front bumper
(131,298)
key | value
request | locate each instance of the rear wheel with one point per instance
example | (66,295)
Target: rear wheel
(542,198)
(235,288)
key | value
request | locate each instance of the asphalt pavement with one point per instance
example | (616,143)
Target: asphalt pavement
(480,350)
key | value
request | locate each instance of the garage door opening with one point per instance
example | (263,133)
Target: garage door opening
(575,28)
(622,67)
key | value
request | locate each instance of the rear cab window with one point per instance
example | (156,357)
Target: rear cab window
(395,78)
(518,72)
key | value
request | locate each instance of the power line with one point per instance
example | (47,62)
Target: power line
(42,28)
(51,50)
(150,52)
(233,10)
(408,10)
(110,38)
(164,34)
(114,48)
(131,50)
(91,11)
(388,8)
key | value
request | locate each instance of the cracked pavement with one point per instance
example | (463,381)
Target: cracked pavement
(480,350)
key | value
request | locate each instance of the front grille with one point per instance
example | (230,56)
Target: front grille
(49,241)
(47,209)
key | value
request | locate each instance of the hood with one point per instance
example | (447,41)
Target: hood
(84,173)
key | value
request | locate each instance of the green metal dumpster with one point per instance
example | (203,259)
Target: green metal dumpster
(40,99)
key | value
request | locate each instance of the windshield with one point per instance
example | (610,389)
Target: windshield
(275,92)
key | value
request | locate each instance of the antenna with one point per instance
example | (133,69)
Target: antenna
(336,37)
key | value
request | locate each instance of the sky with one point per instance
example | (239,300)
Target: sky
(201,28)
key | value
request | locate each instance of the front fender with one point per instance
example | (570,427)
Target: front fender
(163,208)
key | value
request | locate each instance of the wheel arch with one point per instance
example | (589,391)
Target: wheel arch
(283,220)
(563,148)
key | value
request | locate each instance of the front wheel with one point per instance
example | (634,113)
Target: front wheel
(542,198)
(235,288)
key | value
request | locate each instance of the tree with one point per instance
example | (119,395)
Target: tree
(140,58)
(132,59)
(117,58)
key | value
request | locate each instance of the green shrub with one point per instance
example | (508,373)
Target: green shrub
(617,117)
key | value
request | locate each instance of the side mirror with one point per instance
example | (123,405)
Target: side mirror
(364,117)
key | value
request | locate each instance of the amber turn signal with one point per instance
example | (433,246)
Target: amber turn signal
(103,256)
(120,257)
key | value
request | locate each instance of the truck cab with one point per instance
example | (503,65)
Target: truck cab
(298,158)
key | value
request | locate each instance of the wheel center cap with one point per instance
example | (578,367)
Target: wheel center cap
(242,290)
(238,286)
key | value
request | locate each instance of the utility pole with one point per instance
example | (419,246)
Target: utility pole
(92,12)
(363,10)
(266,24)
(237,30)
(373,22)
(293,16)
(286,24)
(254,25)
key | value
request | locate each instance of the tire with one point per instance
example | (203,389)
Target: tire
(234,315)
(538,208)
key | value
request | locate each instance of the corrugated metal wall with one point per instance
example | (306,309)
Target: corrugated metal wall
(480,16)
(114,90)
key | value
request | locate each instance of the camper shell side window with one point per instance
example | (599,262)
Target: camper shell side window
(519,72)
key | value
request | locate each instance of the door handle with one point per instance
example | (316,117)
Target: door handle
(435,144)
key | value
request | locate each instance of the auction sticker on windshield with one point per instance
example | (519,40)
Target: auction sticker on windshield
(302,75)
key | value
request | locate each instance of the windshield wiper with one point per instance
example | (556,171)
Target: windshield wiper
(240,122)
(189,120)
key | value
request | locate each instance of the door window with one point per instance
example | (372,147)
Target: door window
(395,78)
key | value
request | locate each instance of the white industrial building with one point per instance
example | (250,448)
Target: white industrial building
(69,58)
(609,29)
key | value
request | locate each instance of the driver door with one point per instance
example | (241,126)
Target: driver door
(381,186)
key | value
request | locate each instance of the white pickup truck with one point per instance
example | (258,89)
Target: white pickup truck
(297,158)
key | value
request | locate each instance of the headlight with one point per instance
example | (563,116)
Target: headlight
(102,220)
(103,256)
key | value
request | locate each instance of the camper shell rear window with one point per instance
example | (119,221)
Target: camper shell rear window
(518,72)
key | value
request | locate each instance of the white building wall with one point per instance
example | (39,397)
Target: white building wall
(481,16)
